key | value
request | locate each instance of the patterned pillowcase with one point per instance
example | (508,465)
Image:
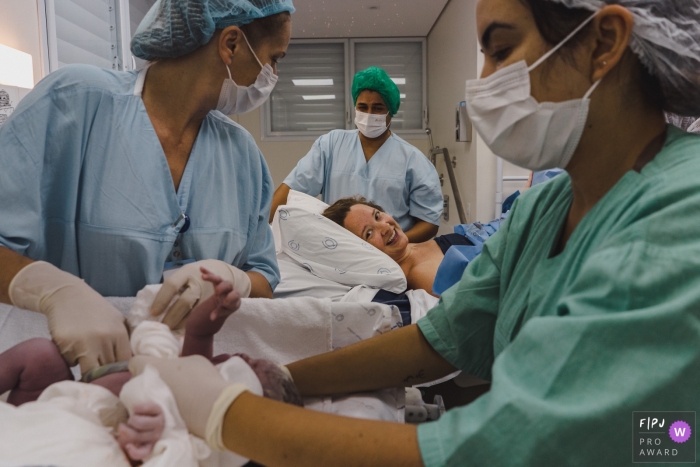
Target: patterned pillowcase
(329,251)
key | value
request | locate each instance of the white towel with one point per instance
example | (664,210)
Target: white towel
(282,331)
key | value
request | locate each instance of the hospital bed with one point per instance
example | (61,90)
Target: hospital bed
(321,259)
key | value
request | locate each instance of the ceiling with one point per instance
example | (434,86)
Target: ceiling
(364,18)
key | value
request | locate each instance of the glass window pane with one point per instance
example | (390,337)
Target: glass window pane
(403,61)
(86,33)
(310,92)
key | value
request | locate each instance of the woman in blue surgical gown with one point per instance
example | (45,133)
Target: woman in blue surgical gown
(117,178)
(583,309)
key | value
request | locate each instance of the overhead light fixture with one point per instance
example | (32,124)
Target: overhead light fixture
(399,80)
(16,68)
(328,97)
(403,96)
(312,82)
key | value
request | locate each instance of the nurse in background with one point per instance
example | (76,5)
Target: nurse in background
(107,176)
(372,162)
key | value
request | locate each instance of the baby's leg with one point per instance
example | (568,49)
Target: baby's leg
(143,430)
(30,367)
(209,316)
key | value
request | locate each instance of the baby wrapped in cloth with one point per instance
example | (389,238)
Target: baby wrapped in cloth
(72,423)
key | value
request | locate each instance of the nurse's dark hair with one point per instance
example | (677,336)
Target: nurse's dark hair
(264,28)
(555,21)
(338,211)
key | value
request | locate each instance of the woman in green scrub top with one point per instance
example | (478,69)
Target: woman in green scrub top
(581,310)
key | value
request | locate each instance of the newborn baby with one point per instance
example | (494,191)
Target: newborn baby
(31,366)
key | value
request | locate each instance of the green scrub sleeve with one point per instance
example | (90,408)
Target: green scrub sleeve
(624,338)
(461,327)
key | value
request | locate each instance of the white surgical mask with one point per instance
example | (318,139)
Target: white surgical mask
(371,125)
(532,135)
(235,99)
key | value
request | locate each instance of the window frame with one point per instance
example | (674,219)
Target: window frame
(266,133)
(412,134)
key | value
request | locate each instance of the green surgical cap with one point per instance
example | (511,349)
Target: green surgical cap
(375,79)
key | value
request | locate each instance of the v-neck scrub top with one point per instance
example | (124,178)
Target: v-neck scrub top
(85,185)
(575,342)
(398,177)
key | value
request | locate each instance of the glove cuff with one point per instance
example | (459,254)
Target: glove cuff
(36,281)
(241,281)
(215,422)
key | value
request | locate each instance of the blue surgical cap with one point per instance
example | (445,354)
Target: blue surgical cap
(173,28)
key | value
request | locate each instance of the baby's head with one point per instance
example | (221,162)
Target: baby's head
(368,221)
(276,383)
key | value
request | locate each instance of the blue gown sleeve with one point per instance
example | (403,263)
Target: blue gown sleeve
(40,158)
(425,197)
(262,258)
(624,339)
(310,173)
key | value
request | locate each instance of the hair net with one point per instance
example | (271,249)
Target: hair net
(173,28)
(666,38)
(376,79)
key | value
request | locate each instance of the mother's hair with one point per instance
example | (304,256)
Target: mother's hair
(338,211)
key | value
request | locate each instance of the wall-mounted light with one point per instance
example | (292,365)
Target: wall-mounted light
(399,80)
(312,82)
(16,68)
(328,97)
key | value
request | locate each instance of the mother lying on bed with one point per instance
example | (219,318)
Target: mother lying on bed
(419,261)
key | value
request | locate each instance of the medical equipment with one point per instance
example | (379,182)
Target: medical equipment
(451,164)
(417,411)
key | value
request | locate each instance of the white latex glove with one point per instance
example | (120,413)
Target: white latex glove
(187,282)
(201,393)
(87,329)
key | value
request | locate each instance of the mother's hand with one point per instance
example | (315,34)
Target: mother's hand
(187,282)
(87,329)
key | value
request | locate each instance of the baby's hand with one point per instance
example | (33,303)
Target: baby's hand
(208,317)
(143,430)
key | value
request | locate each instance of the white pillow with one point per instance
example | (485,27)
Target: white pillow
(301,200)
(329,251)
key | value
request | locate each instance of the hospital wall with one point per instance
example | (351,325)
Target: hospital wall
(453,58)
(19,29)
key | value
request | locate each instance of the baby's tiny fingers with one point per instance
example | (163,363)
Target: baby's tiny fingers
(148,408)
(138,452)
(145,423)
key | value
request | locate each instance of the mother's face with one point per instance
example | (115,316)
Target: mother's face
(378,229)
(508,34)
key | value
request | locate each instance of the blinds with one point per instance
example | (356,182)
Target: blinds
(86,32)
(403,61)
(310,93)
